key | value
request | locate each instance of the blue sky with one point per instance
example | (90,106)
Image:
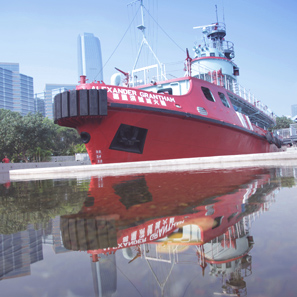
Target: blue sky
(42,37)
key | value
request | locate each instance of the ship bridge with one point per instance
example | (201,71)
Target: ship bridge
(214,44)
(215,53)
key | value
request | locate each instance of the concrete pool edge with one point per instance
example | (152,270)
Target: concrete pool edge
(287,158)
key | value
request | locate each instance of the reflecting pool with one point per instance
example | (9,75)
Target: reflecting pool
(192,233)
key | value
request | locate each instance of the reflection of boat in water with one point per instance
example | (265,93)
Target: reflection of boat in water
(202,113)
(115,204)
(204,216)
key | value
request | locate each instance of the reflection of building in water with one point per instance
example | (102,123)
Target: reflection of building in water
(18,251)
(104,275)
(289,172)
(53,236)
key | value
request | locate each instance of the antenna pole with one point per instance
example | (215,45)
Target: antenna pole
(217,13)
(142,14)
(144,40)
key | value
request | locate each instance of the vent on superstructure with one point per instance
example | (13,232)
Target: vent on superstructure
(202,110)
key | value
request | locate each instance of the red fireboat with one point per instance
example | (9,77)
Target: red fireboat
(146,116)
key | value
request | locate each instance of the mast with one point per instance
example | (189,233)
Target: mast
(217,13)
(144,41)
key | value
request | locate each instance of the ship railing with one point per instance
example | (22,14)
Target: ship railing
(147,75)
(223,46)
(249,97)
(214,28)
(228,45)
(154,73)
(230,84)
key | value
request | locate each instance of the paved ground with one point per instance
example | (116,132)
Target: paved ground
(12,166)
(6,168)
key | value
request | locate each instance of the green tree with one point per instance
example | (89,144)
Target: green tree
(36,202)
(288,182)
(282,123)
(65,141)
(35,138)
(31,131)
(80,148)
(8,122)
(40,155)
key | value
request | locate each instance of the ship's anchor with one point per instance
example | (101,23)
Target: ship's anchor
(128,136)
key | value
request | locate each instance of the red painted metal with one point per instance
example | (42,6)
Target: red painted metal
(175,128)
(137,222)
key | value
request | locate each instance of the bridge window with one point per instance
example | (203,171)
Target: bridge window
(207,93)
(217,222)
(165,91)
(224,100)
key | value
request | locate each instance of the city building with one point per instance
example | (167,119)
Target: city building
(18,251)
(39,103)
(6,89)
(89,57)
(16,89)
(53,237)
(293,110)
(44,101)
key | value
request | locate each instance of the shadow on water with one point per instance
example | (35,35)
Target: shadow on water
(152,234)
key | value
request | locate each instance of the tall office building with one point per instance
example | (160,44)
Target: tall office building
(40,103)
(16,89)
(6,89)
(51,90)
(44,101)
(294,110)
(18,251)
(89,57)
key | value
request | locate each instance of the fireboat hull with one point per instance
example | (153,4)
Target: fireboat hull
(128,134)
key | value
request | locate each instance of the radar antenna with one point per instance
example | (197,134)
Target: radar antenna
(203,26)
(217,13)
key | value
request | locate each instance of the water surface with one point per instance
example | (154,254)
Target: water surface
(195,233)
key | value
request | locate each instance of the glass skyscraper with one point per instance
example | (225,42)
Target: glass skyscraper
(44,102)
(89,57)
(18,251)
(16,89)
(51,90)
(6,89)
(294,110)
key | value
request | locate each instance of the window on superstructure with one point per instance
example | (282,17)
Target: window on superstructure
(224,100)
(212,54)
(217,222)
(207,93)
